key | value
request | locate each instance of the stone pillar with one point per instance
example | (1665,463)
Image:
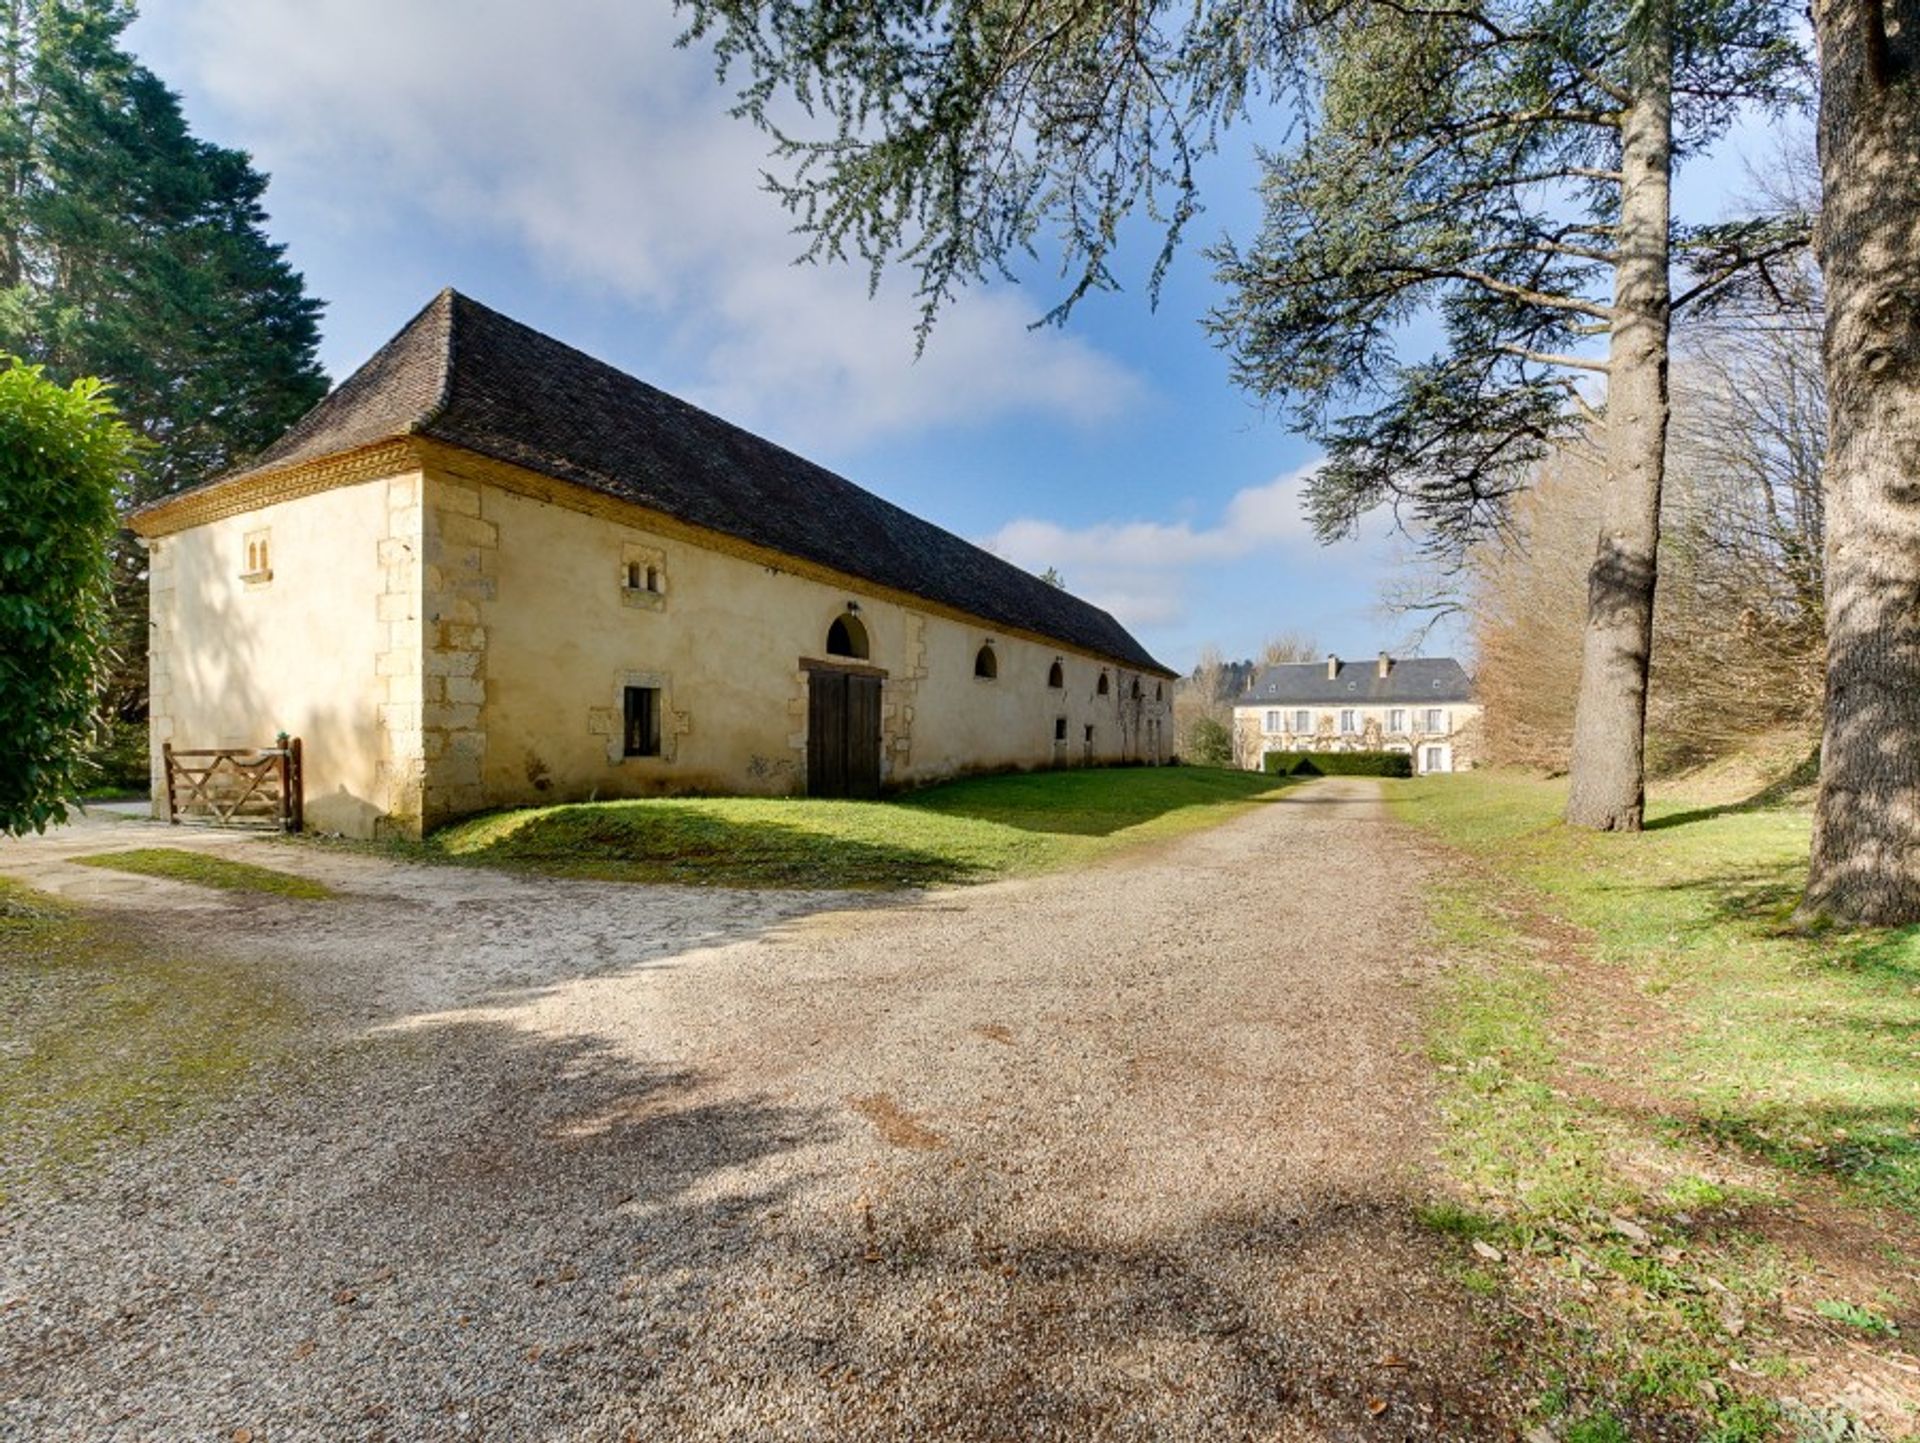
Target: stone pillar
(461,549)
(400,772)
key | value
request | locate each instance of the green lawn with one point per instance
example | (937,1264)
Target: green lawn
(202,870)
(965,831)
(105,1039)
(1678,1057)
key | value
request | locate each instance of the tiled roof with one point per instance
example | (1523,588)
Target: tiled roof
(470,377)
(1408,682)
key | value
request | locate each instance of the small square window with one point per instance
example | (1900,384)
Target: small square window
(1059,728)
(642,721)
(1089,736)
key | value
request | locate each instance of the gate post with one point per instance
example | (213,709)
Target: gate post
(296,788)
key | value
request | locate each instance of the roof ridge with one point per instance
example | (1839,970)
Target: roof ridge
(453,300)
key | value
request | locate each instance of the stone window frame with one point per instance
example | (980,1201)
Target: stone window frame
(651,562)
(611,720)
(256,552)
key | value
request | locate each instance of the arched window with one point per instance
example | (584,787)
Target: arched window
(1159,691)
(654,579)
(1103,687)
(1056,676)
(1136,688)
(985,663)
(847,637)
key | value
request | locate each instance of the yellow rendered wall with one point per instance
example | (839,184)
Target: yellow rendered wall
(308,651)
(531,638)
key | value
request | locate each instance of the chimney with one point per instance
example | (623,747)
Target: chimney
(1333,667)
(1386,664)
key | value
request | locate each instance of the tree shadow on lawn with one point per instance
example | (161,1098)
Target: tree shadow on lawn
(1091,801)
(1870,1146)
(1775,794)
(691,845)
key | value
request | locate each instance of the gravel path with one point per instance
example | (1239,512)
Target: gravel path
(1126,1153)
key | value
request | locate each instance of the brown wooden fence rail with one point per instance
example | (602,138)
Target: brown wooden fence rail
(236,786)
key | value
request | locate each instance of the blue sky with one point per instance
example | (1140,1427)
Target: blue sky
(564,163)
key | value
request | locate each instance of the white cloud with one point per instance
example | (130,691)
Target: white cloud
(574,130)
(1139,570)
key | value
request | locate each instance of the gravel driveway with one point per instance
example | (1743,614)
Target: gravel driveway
(1124,1153)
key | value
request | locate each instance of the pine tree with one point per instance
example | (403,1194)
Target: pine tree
(131,250)
(1504,161)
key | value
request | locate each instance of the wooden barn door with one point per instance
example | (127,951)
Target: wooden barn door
(843,734)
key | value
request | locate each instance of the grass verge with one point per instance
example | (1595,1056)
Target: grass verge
(966,831)
(105,1042)
(1688,1133)
(179,865)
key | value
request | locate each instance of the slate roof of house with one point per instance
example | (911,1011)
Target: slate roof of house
(1408,681)
(468,376)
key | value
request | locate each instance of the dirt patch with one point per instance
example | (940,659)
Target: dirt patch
(896,1125)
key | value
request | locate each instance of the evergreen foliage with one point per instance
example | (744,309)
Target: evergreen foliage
(131,250)
(64,456)
(1466,163)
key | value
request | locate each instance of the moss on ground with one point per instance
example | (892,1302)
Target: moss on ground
(106,1041)
(202,870)
(966,831)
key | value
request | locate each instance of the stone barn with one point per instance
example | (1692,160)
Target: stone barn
(489,570)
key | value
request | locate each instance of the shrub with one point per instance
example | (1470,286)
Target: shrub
(1339,764)
(119,759)
(1209,743)
(63,455)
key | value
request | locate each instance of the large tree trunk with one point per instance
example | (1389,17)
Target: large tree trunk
(1607,771)
(1866,834)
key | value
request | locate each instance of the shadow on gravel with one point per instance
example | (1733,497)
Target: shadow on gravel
(421,1236)
(1339,1321)
(478,1231)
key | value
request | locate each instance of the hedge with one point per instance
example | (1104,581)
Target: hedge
(63,454)
(1339,764)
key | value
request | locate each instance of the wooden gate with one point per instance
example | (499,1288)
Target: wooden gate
(843,733)
(236,786)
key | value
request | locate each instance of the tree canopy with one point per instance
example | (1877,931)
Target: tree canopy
(134,251)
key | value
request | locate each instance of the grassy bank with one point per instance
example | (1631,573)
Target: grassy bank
(965,831)
(105,1041)
(179,865)
(1691,1135)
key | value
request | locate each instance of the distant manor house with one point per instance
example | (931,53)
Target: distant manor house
(490,570)
(1420,705)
